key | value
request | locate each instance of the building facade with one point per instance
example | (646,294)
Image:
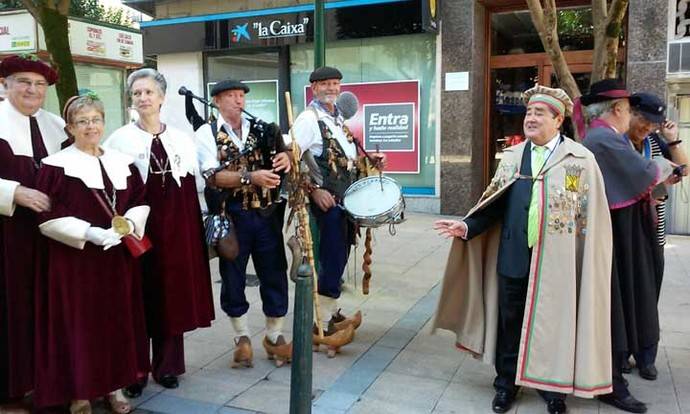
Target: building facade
(468,60)
(102,53)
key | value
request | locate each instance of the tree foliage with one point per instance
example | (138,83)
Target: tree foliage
(88,9)
(604,22)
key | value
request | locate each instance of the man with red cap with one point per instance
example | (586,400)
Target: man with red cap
(629,180)
(27,135)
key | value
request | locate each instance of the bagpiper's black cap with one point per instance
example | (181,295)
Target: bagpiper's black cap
(228,85)
(650,106)
(324,73)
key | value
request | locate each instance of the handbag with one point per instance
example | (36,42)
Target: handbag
(136,246)
(220,236)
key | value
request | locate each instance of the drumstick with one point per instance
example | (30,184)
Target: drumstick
(380,173)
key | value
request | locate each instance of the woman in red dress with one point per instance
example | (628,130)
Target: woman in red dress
(177,281)
(89,306)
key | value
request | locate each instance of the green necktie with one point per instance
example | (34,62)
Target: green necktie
(533,216)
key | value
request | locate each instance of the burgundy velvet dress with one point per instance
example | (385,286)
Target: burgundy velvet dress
(177,279)
(19,237)
(89,311)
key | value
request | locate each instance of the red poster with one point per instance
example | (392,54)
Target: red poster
(388,116)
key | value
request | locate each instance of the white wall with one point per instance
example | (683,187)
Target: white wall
(181,69)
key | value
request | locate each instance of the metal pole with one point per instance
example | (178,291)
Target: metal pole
(301,374)
(319,34)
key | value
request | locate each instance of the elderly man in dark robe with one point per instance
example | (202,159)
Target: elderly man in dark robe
(629,180)
(27,135)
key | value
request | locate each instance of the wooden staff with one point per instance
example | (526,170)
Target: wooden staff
(298,200)
(366,262)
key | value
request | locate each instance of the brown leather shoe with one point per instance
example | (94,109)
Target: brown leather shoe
(341,321)
(243,353)
(333,339)
(280,351)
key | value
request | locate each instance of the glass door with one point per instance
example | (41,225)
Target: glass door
(507,108)
(261,71)
(582,74)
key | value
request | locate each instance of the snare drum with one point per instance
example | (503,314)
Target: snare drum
(374,201)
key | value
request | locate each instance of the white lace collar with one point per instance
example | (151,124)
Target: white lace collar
(86,167)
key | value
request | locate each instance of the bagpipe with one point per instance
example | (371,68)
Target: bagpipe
(264,142)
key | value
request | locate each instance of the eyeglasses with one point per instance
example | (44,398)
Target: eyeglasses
(27,83)
(83,123)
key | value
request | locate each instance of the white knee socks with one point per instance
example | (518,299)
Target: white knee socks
(274,328)
(241,326)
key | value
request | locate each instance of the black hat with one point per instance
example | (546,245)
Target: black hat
(228,85)
(605,90)
(324,73)
(650,106)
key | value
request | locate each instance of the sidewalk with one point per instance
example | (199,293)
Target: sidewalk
(395,365)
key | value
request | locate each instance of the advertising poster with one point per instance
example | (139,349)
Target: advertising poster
(388,117)
(17,33)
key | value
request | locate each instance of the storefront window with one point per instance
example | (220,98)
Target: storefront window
(108,83)
(514,32)
(508,108)
(260,71)
(394,58)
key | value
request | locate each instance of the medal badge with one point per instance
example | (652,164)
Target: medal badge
(120,225)
(572,177)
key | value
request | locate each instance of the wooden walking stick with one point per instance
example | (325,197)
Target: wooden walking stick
(297,201)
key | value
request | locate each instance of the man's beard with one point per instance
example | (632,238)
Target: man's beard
(328,99)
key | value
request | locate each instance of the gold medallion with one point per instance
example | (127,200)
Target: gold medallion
(120,225)
(432,8)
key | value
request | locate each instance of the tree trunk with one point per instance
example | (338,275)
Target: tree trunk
(56,29)
(607,30)
(545,20)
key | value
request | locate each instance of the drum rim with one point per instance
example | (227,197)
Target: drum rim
(385,214)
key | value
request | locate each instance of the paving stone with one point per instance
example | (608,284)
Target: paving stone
(162,403)
(266,397)
(413,393)
(411,362)
(211,386)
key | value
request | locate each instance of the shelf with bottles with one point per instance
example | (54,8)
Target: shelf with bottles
(505,142)
(510,109)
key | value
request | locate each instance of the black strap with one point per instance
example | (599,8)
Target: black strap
(214,129)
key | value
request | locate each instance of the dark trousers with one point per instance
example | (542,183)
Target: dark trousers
(512,293)
(262,238)
(334,249)
(646,356)
(619,387)
(168,356)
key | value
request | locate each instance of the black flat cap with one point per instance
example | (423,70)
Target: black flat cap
(324,73)
(605,90)
(228,85)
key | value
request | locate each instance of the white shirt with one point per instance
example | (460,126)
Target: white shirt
(207,150)
(308,135)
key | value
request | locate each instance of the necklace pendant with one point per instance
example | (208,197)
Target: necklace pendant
(120,225)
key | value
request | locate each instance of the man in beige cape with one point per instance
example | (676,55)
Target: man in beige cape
(527,283)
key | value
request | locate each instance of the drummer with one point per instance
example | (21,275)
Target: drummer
(329,148)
